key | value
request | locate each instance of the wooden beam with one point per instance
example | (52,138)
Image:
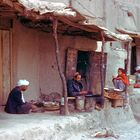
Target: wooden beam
(134,35)
(102,68)
(14,0)
(76,25)
(7,2)
(1,71)
(7,14)
(18,7)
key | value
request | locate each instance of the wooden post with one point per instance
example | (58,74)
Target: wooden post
(70,3)
(127,71)
(1,71)
(102,68)
(57,50)
(128,60)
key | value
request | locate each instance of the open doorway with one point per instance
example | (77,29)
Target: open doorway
(133,59)
(88,63)
(83,67)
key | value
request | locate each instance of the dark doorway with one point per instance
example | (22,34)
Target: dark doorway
(83,66)
(133,60)
(88,64)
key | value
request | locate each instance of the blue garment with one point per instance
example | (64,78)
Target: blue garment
(14,102)
(74,87)
(119,84)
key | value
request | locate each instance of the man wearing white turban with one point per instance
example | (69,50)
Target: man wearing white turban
(16,103)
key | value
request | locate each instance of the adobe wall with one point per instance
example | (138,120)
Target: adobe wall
(92,9)
(49,77)
(26,45)
(112,14)
(36,62)
(116,16)
(35,49)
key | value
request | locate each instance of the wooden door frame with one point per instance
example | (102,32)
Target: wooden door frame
(1,71)
(11,64)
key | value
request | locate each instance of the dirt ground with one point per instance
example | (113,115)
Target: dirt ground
(110,123)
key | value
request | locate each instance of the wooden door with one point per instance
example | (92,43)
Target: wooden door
(1,71)
(71,62)
(95,71)
(5,65)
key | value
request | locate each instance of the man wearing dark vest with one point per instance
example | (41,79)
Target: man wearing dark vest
(16,103)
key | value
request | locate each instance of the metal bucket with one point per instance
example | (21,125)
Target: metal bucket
(80,103)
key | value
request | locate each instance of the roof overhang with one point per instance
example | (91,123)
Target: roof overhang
(130,33)
(118,37)
(40,14)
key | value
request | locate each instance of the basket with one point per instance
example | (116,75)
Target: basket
(117,103)
(51,106)
(112,95)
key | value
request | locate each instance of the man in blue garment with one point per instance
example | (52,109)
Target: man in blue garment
(75,87)
(16,103)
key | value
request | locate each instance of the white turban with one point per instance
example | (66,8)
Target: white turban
(137,68)
(23,83)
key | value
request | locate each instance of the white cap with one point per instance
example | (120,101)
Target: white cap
(23,82)
(137,68)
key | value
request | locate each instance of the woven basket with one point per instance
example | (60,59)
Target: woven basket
(117,103)
(112,95)
(51,107)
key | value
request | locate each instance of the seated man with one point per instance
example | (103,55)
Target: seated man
(75,87)
(16,103)
(121,81)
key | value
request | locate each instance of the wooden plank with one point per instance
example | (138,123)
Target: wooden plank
(7,2)
(76,25)
(5,23)
(71,62)
(6,64)
(7,15)
(95,71)
(1,95)
(132,34)
(18,7)
(13,61)
(71,98)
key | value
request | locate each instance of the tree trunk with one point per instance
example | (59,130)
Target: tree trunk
(62,76)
